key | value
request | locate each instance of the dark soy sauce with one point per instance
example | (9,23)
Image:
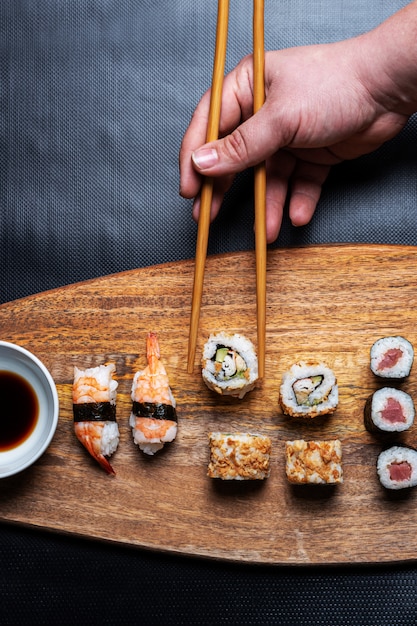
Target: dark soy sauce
(19,410)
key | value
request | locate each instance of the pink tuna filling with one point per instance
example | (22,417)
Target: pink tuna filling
(400,471)
(390,358)
(393,412)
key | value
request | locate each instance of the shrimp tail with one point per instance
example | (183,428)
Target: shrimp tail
(88,443)
(152,350)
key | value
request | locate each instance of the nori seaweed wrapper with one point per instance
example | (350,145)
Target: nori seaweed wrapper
(156,410)
(367,417)
(94,412)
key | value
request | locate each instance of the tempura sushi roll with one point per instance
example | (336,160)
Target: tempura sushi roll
(94,410)
(229,364)
(389,410)
(314,462)
(153,418)
(239,456)
(392,357)
(397,467)
(308,389)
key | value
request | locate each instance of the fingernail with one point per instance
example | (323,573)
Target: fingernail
(205,158)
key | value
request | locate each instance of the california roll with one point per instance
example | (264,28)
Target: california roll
(229,364)
(308,389)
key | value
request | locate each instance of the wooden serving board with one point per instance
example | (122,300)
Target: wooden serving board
(328,302)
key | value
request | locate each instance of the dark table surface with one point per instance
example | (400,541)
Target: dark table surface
(94,98)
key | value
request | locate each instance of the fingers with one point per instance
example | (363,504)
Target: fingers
(287,177)
(195,136)
(237,102)
(301,181)
(278,172)
(250,143)
(306,186)
(247,139)
(220,187)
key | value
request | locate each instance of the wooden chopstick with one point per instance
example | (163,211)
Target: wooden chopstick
(207,187)
(260,184)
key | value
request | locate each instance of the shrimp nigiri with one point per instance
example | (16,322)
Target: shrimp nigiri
(94,407)
(153,418)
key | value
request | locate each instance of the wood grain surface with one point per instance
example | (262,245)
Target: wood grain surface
(328,302)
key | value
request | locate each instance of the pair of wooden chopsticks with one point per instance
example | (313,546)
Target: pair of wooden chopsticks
(259,180)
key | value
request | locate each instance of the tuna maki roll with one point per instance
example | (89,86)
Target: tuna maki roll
(308,389)
(229,364)
(397,467)
(392,357)
(389,410)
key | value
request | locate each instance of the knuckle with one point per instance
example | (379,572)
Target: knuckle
(235,147)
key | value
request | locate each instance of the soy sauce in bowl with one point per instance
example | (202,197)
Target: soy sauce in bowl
(19,411)
(29,408)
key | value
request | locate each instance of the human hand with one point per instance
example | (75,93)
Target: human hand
(323,104)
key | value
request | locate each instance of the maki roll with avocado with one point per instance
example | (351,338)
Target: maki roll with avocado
(392,357)
(229,364)
(308,389)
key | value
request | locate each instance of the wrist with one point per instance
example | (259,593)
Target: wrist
(388,61)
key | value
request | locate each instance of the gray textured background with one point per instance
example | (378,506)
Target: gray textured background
(94,99)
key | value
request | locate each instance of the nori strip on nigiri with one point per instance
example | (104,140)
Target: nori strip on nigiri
(158,410)
(94,412)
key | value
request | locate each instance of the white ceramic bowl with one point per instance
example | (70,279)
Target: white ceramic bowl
(18,360)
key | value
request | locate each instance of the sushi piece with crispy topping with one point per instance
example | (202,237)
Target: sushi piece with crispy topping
(239,456)
(314,462)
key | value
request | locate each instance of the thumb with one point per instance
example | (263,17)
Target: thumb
(249,144)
